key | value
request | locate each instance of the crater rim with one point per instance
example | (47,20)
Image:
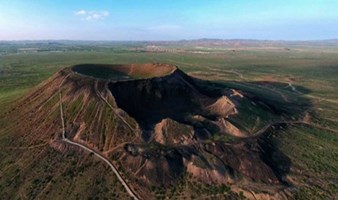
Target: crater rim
(123,72)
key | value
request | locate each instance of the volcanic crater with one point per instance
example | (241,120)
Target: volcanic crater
(159,124)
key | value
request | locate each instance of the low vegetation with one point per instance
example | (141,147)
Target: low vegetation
(305,74)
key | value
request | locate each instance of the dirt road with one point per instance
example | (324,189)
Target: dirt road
(65,139)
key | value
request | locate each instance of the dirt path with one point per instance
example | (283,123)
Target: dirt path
(124,183)
(319,99)
(278,123)
(270,125)
(292,87)
(65,139)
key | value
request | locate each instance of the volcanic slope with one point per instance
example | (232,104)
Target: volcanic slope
(158,126)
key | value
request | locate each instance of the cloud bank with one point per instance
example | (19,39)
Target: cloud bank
(91,15)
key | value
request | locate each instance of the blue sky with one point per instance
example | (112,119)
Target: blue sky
(168,19)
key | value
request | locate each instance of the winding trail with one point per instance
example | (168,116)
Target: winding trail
(97,154)
(319,99)
(292,87)
(271,125)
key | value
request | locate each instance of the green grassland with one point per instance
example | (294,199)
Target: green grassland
(312,69)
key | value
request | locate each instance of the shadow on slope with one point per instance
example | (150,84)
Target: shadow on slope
(179,98)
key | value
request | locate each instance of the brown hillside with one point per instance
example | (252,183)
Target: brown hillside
(152,121)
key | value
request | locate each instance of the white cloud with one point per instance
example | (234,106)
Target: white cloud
(91,15)
(80,12)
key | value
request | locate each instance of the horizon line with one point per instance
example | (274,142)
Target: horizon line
(178,40)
